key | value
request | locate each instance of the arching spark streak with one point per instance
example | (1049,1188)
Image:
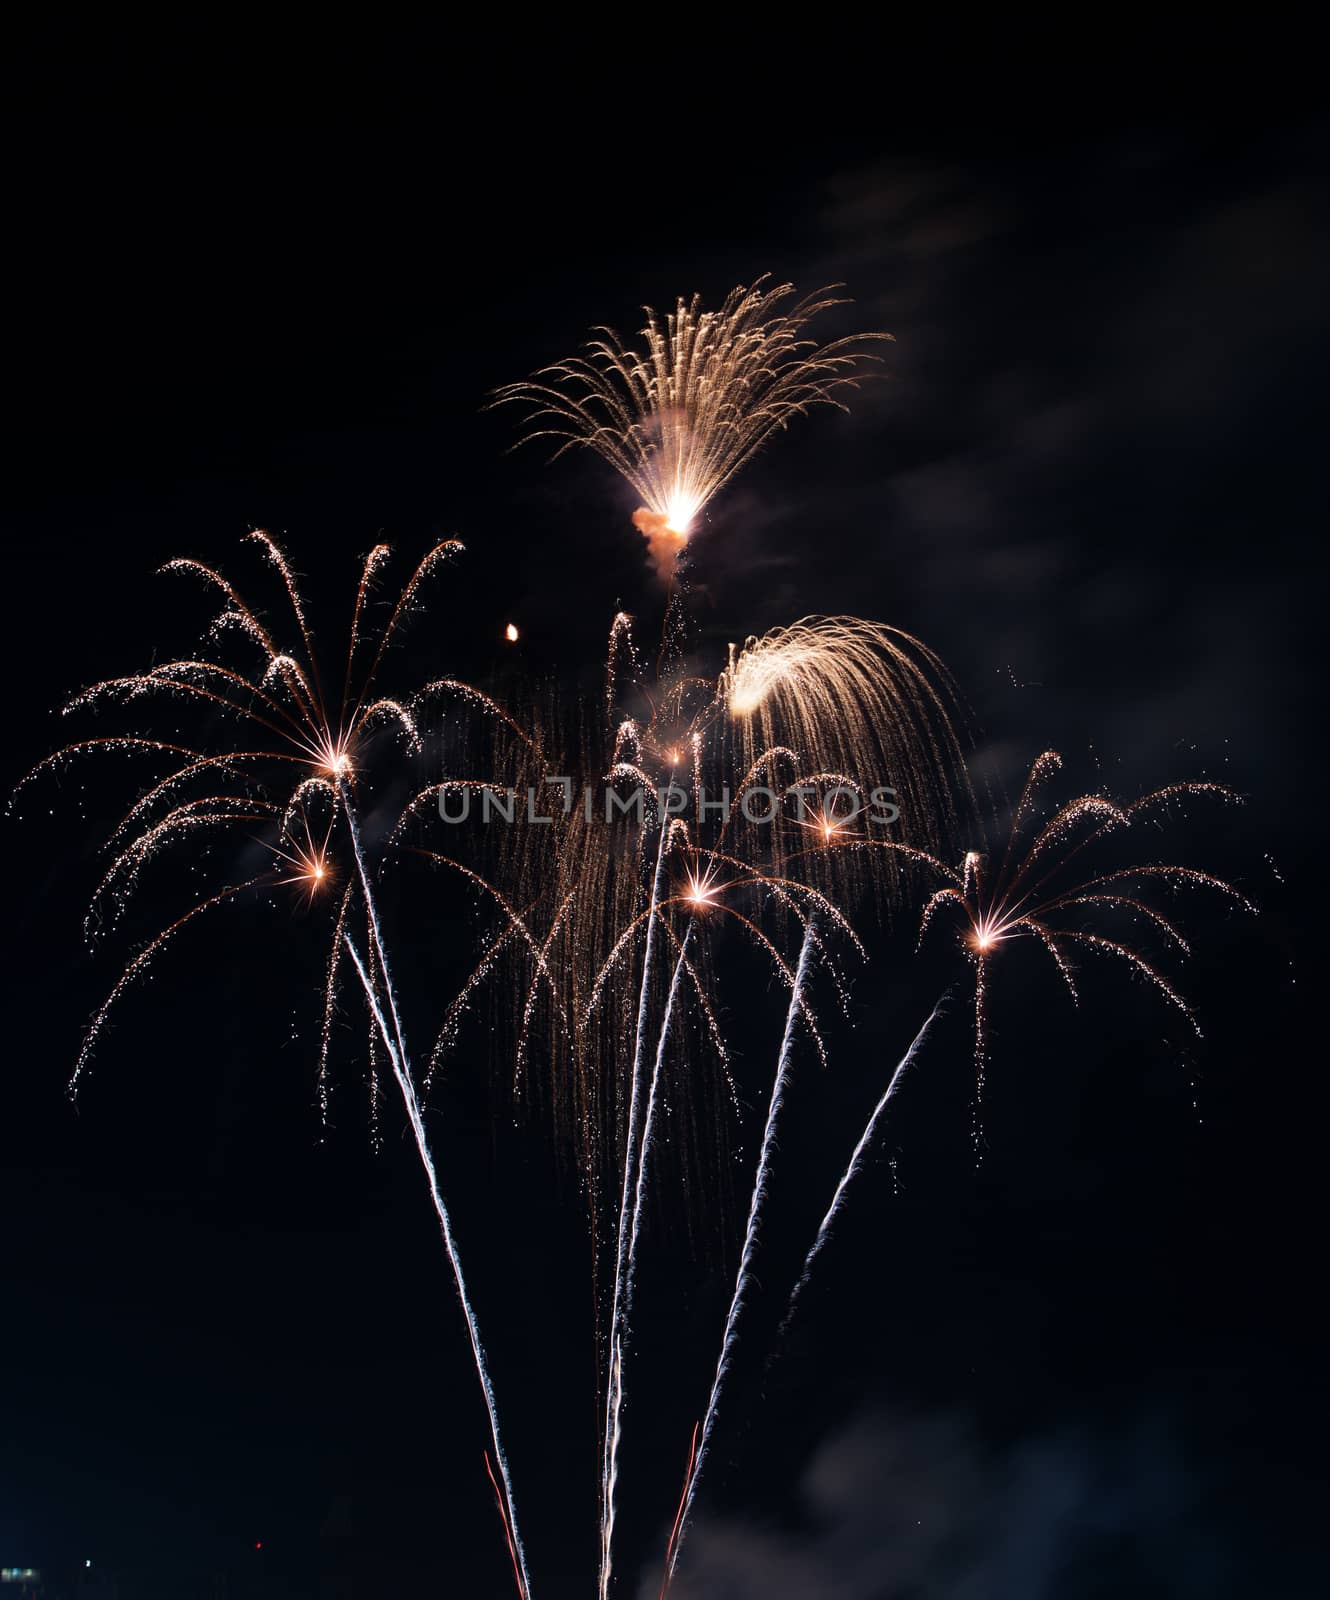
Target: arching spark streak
(856,1162)
(140,963)
(745,1273)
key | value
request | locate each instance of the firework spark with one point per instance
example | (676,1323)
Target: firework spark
(679,415)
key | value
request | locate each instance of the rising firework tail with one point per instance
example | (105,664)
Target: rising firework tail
(678,1515)
(634,1158)
(743,1279)
(411,1104)
(866,1141)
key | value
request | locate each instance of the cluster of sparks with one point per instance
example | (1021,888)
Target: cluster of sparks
(1031,889)
(680,414)
(608,938)
(278,754)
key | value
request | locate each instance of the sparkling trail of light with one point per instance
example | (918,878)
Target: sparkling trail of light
(615,1423)
(330,989)
(744,1276)
(678,1515)
(140,963)
(649,1127)
(856,1162)
(620,1351)
(632,1155)
(402,1077)
(507,1530)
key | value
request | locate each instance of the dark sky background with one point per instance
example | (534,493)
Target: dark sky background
(253,285)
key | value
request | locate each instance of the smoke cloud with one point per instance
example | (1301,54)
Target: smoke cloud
(892,1511)
(664,543)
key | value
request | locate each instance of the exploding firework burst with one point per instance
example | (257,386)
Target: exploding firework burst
(278,754)
(873,714)
(1029,889)
(681,414)
(277,758)
(608,922)
(842,703)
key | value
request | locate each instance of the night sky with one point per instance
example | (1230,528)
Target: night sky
(262,284)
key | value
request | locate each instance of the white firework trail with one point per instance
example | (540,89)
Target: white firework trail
(620,1346)
(632,1155)
(393,1044)
(649,1127)
(856,1163)
(745,1274)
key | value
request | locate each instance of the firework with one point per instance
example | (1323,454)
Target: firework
(582,897)
(634,1162)
(743,1278)
(622,1318)
(289,760)
(608,925)
(602,932)
(1027,894)
(680,414)
(702,892)
(1031,891)
(402,1076)
(608,921)
(873,715)
(855,1165)
(281,753)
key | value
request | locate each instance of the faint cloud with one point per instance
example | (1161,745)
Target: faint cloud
(892,1510)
